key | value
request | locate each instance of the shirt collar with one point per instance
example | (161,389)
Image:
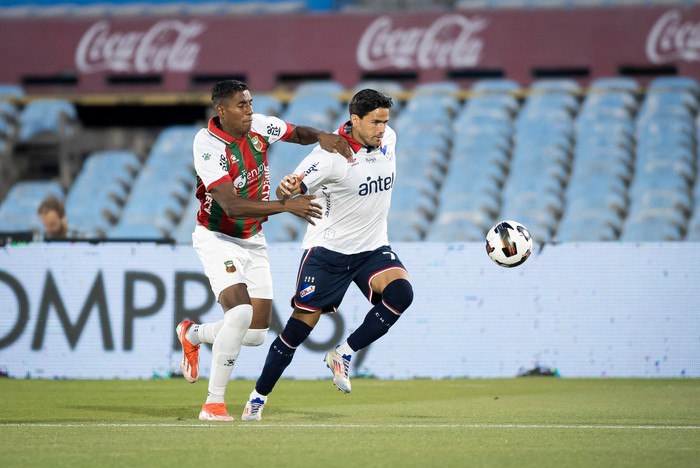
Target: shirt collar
(354,144)
(215,130)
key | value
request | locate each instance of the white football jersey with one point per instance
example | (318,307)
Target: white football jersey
(354,196)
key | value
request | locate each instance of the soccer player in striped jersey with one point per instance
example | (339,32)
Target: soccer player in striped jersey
(349,244)
(233,187)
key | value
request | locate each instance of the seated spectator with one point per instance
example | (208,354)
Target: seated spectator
(53,216)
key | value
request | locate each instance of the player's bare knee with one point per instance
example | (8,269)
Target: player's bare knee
(398,295)
(255,337)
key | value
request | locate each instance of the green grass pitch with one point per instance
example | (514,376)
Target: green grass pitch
(519,422)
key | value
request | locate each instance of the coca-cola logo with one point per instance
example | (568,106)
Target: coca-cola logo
(451,41)
(671,39)
(167,46)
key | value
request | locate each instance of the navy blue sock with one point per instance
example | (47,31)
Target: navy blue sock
(396,298)
(281,353)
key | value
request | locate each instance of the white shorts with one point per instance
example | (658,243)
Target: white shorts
(228,260)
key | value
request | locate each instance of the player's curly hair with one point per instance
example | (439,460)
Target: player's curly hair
(367,100)
(225,89)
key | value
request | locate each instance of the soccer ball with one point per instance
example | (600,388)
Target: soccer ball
(508,244)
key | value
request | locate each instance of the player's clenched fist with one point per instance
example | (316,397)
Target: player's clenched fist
(290,185)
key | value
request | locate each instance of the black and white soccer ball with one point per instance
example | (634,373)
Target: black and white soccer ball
(508,244)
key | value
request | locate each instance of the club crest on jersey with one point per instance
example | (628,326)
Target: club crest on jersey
(257,144)
(230,267)
(307,291)
(388,153)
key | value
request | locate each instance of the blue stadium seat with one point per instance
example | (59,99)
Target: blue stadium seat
(267,104)
(393,88)
(615,83)
(543,104)
(665,101)
(319,87)
(18,211)
(590,226)
(454,228)
(317,110)
(10,91)
(406,226)
(182,234)
(431,103)
(652,225)
(105,180)
(47,117)
(493,101)
(555,86)
(444,88)
(8,111)
(496,86)
(162,188)
(674,83)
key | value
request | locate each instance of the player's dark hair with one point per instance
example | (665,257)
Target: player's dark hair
(51,203)
(368,100)
(224,90)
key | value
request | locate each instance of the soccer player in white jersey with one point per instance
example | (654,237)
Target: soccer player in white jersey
(348,244)
(233,186)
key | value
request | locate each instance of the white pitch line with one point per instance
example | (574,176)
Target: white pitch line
(362,426)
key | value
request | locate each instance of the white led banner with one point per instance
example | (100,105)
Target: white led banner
(587,310)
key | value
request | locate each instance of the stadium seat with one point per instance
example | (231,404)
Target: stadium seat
(105,179)
(162,188)
(674,83)
(452,228)
(18,211)
(317,110)
(267,104)
(320,87)
(406,226)
(47,117)
(656,226)
(443,88)
(405,197)
(8,111)
(390,87)
(556,86)
(495,86)
(615,83)
(591,226)
(182,233)
(10,91)
(431,103)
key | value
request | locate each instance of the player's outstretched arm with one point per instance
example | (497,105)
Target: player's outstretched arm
(331,142)
(240,207)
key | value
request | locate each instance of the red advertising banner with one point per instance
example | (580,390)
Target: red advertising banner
(187,54)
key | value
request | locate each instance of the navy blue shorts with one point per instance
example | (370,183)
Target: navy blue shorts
(324,276)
